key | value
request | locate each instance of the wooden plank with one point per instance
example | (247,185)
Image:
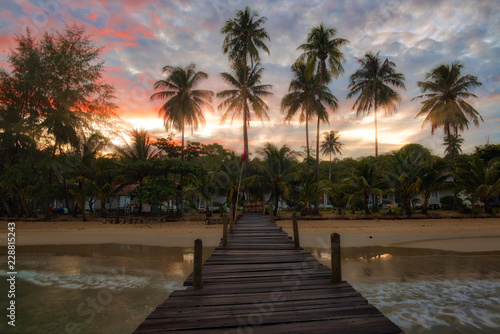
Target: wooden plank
(261,283)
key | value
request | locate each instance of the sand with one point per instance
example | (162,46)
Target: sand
(463,235)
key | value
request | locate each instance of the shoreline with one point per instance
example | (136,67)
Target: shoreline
(461,235)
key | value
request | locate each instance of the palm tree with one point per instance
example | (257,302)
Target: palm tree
(247,91)
(244,36)
(364,180)
(304,94)
(404,171)
(433,177)
(324,57)
(481,179)
(330,145)
(453,143)
(445,91)
(184,102)
(372,82)
(278,171)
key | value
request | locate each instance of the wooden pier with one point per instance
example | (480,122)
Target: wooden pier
(262,283)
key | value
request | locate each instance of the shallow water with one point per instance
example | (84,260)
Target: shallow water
(92,288)
(111,288)
(425,290)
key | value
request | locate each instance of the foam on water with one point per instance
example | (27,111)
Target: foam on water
(113,280)
(438,306)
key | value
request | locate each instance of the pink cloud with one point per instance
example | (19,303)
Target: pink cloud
(92,17)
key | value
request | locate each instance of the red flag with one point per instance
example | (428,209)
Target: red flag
(244,156)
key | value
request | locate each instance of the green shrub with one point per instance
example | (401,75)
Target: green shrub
(451,202)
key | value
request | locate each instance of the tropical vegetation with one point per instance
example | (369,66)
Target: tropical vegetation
(59,145)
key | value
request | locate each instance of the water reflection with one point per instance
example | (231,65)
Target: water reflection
(106,288)
(426,290)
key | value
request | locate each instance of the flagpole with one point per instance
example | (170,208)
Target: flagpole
(239,183)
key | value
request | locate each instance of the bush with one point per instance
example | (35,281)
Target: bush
(451,202)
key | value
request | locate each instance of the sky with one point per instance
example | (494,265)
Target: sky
(140,37)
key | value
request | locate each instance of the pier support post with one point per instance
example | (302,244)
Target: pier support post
(295,230)
(198,262)
(224,231)
(336,259)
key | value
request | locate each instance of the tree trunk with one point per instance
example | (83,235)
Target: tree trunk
(376,130)
(7,208)
(487,205)
(316,201)
(307,138)
(276,203)
(407,205)
(426,203)
(47,201)
(367,210)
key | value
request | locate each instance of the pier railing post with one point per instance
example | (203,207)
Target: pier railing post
(336,259)
(295,230)
(224,232)
(198,263)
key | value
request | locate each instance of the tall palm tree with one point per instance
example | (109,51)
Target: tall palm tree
(331,145)
(372,82)
(184,103)
(244,36)
(247,91)
(445,91)
(304,94)
(324,57)
(453,143)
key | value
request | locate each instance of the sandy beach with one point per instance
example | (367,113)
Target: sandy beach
(465,235)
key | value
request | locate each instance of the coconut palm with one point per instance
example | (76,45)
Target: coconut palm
(404,171)
(244,36)
(323,56)
(184,104)
(372,83)
(331,145)
(364,180)
(244,94)
(304,94)
(481,179)
(432,178)
(278,171)
(453,143)
(445,91)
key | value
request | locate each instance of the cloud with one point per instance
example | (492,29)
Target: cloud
(139,38)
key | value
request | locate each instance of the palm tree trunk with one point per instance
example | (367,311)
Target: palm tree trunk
(316,202)
(367,210)
(307,137)
(407,205)
(181,197)
(245,141)
(330,171)
(376,130)
(245,110)
(7,208)
(426,203)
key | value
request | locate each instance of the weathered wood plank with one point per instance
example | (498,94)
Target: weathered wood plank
(261,283)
